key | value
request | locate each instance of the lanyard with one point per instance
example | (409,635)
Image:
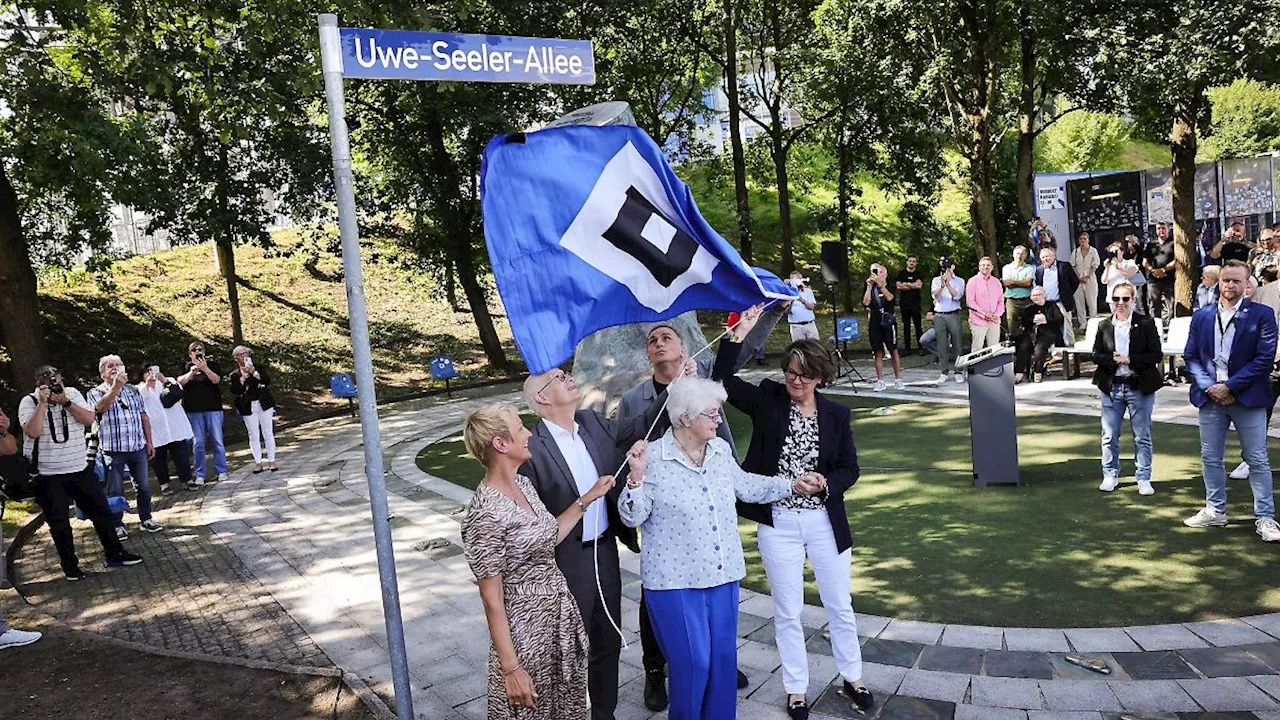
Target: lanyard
(1221,341)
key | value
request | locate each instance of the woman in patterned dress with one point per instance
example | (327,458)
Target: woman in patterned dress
(797,432)
(538,659)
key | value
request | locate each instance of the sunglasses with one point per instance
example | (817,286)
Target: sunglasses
(1121,298)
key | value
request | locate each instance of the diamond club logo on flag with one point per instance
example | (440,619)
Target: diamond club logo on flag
(588,227)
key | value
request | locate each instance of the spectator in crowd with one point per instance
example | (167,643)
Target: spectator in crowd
(1017,277)
(796,431)
(1085,262)
(928,341)
(1040,236)
(947,291)
(984,295)
(202,400)
(570,450)
(1127,353)
(1059,282)
(53,419)
(10,637)
(1122,268)
(1161,267)
(251,397)
(1041,329)
(882,326)
(1207,290)
(1267,294)
(124,432)
(1230,353)
(690,567)
(1232,246)
(909,282)
(538,655)
(170,429)
(801,318)
(1264,254)
(667,355)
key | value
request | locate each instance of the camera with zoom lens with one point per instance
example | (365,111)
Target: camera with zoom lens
(55,388)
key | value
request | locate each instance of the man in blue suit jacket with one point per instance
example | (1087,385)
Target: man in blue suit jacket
(1059,281)
(1229,354)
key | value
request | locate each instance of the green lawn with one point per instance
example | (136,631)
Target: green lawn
(1053,552)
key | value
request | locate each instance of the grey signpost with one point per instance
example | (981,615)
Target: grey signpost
(392,55)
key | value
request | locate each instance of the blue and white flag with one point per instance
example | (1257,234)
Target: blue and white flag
(588,227)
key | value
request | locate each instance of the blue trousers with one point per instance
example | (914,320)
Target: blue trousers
(1114,405)
(136,461)
(1251,426)
(697,630)
(202,424)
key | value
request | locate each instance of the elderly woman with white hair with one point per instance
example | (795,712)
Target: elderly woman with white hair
(252,398)
(691,559)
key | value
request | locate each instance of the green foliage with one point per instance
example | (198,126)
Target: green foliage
(1245,121)
(1082,140)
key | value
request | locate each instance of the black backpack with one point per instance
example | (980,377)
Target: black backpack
(20,477)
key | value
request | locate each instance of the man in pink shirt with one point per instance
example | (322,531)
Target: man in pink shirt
(984,295)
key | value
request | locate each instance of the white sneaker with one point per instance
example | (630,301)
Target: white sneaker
(152,526)
(879,386)
(199,482)
(121,533)
(222,476)
(958,378)
(18,638)
(1109,484)
(1144,488)
(1241,472)
(942,379)
(1207,517)
(897,384)
(1267,529)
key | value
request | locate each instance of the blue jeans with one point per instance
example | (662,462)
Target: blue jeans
(1251,426)
(1121,398)
(209,423)
(136,461)
(697,630)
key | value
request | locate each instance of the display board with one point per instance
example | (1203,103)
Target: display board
(1159,183)
(1051,202)
(1206,191)
(1246,188)
(1107,206)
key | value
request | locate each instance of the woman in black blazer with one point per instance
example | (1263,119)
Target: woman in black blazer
(1041,323)
(1127,377)
(252,398)
(797,432)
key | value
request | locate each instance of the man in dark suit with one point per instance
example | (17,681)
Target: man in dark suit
(1229,353)
(1059,281)
(1127,353)
(571,449)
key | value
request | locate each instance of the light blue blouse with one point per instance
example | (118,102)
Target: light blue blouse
(687,517)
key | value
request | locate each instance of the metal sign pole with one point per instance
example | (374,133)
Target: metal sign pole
(331,61)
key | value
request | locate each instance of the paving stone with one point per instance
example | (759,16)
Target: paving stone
(1036,639)
(882,679)
(1219,662)
(908,708)
(759,656)
(1269,623)
(1018,664)
(1078,695)
(1064,670)
(1270,684)
(974,712)
(934,685)
(891,652)
(749,623)
(819,645)
(1223,633)
(1063,715)
(1164,637)
(871,625)
(1167,665)
(1140,716)
(831,702)
(1158,695)
(1007,692)
(1228,694)
(1217,715)
(1268,715)
(952,659)
(768,634)
(1093,640)
(1268,653)
(973,636)
(925,633)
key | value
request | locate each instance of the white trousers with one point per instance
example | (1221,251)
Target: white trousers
(984,335)
(261,420)
(796,534)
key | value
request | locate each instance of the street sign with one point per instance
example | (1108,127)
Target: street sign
(404,55)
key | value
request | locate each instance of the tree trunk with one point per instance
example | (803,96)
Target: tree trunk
(227,266)
(468,276)
(1183,141)
(982,206)
(735,132)
(784,196)
(20,325)
(1028,110)
(842,193)
(450,287)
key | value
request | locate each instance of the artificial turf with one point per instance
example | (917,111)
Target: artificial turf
(1053,552)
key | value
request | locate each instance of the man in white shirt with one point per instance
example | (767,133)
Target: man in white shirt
(948,291)
(53,420)
(801,317)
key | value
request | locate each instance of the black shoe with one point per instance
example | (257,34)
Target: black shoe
(861,697)
(798,710)
(655,691)
(74,574)
(743,682)
(124,559)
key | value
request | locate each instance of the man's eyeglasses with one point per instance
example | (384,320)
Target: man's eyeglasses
(1121,298)
(793,375)
(560,376)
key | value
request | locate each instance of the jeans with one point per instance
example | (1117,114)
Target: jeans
(209,423)
(1139,405)
(697,629)
(928,341)
(1251,426)
(181,455)
(136,461)
(949,339)
(54,496)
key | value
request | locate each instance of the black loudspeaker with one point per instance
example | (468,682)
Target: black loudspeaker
(835,263)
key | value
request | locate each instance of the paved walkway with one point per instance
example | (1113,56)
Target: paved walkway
(248,552)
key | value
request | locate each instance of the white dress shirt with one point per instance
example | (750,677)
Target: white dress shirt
(1224,336)
(1050,283)
(947,302)
(799,313)
(1123,332)
(585,474)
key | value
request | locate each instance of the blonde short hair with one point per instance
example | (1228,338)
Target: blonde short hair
(482,426)
(240,350)
(689,396)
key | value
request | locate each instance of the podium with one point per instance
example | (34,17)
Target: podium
(993,420)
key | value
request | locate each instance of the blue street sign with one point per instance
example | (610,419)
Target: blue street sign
(402,55)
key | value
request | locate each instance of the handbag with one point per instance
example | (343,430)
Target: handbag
(19,476)
(172,395)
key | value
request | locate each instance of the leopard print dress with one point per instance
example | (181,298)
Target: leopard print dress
(502,539)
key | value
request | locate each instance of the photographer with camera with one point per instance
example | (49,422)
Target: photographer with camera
(947,290)
(54,419)
(1232,245)
(801,317)
(124,431)
(202,400)
(251,396)
(882,326)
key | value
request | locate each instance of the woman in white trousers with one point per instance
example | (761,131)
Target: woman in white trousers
(252,398)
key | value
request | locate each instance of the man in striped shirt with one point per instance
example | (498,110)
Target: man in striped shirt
(124,432)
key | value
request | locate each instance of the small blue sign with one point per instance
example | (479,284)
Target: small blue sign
(403,55)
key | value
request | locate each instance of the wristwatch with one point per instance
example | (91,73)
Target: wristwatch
(578,502)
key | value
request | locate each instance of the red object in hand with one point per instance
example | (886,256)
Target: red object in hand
(733,319)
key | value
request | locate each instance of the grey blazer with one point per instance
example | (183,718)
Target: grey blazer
(638,399)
